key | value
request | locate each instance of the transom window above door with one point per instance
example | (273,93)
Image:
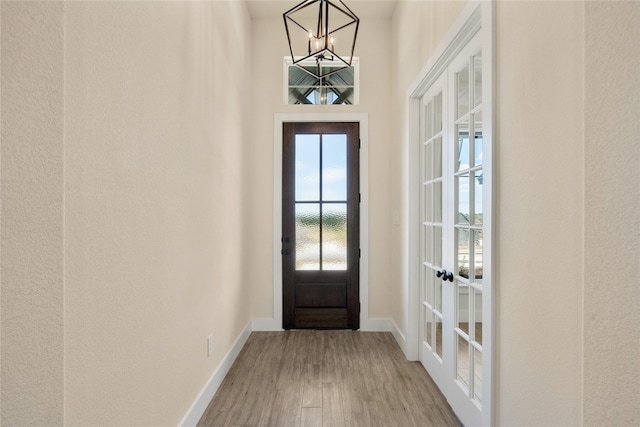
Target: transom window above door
(303,88)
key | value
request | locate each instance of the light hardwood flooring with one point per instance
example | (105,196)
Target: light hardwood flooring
(326,378)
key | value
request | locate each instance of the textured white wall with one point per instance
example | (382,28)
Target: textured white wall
(145,127)
(612,223)
(269,46)
(31,333)
(156,103)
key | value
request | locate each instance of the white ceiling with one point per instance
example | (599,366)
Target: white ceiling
(362,8)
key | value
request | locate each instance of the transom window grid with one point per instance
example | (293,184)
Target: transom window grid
(338,88)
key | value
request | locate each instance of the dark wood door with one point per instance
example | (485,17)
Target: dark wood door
(320,223)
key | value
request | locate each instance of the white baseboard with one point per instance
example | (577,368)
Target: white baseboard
(375,325)
(266,324)
(399,336)
(198,407)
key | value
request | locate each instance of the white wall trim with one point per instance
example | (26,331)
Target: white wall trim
(279,119)
(198,407)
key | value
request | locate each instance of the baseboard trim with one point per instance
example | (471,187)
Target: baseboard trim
(375,325)
(265,324)
(399,336)
(198,407)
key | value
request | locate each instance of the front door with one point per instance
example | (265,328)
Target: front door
(320,223)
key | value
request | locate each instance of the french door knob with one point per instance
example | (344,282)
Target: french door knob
(445,275)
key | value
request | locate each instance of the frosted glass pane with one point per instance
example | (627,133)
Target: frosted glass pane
(307,156)
(334,236)
(307,236)
(334,167)
(462,87)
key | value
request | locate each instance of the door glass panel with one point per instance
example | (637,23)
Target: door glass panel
(463,252)
(428,244)
(477,130)
(334,167)
(462,78)
(334,236)
(428,283)
(437,113)
(437,157)
(437,202)
(428,203)
(428,162)
(428,121)
(477,195)
(477,79)
(463,307)
(463,199)
(307,166)
(463,360)
(437,246)
(462,131)
(438,294)
(307,236)
(477,255)
(478,316)
(477,374)
(428,329)
(438,340)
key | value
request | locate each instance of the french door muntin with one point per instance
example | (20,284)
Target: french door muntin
(453,227)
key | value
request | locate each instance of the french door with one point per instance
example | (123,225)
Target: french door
(320,223)
(454,315)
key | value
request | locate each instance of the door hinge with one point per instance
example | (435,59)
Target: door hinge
(359,253)
(359,307)
(359,143)
(359,197)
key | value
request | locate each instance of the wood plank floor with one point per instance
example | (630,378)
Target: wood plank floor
(326,378)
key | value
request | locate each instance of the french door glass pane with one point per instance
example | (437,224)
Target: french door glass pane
(428,161)
(437,202)
(477,195)
(477,374)
(477,255)
(334,167)
(463,199)
(463,360)
(428,328)
(307,156)
(428,282)
(463,306)
(307,236)
(438,340)
(437,246)
(438,294)
(334,236)
(477,79)
(437,113)
(428,202)
(437,157)
(463,252)
(477,131)
(462,130)
(478,316)
(428,244)
(462,78)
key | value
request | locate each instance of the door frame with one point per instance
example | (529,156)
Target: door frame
(478,16)
(275,323)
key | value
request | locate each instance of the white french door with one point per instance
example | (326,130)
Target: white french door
(455,226)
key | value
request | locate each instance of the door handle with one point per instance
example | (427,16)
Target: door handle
(445,275)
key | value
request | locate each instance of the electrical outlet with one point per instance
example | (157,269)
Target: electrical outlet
(210,346)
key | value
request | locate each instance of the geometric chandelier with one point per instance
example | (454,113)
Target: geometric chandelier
(312,37)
